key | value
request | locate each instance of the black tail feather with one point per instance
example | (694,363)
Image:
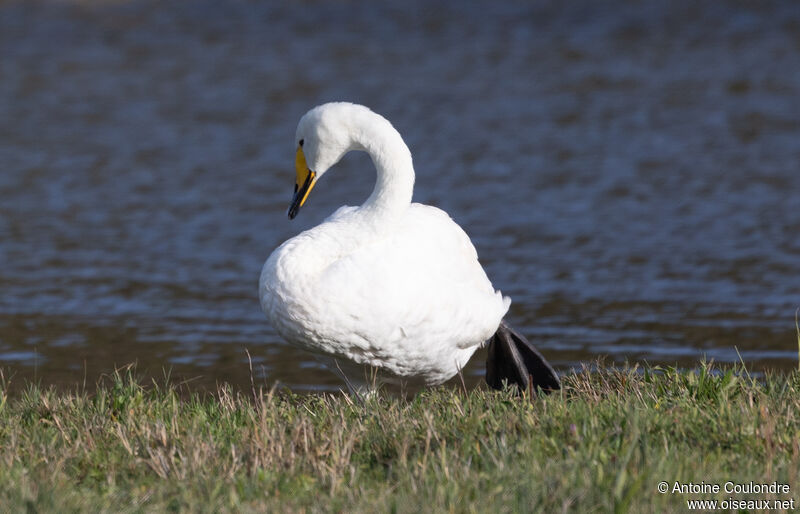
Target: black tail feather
(513,359)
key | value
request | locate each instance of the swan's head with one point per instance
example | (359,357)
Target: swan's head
(324,135)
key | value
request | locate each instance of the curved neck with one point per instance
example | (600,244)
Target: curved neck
(392,159)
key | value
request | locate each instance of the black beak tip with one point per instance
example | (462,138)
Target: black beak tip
(293,207)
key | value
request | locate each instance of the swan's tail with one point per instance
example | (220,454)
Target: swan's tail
(513,359)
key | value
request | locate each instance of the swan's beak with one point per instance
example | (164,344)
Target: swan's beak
(304,184)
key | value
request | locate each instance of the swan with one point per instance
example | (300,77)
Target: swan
(391,286)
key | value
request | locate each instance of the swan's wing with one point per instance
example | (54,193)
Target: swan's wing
(422,283)
(340,213)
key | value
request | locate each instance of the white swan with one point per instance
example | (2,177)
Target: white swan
(390,285)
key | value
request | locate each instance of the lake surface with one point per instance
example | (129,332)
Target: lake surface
(629,173)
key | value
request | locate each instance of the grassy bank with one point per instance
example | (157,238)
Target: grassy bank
(603,444)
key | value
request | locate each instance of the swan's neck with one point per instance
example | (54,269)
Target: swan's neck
(395,182)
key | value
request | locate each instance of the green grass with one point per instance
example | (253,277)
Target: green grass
(602,444)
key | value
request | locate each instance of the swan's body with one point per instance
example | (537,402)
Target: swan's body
(410,297)
(391,284)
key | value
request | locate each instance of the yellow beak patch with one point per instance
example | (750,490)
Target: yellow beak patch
(304,183)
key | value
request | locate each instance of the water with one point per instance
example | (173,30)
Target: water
(628,173)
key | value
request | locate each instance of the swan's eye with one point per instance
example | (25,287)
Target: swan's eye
(302,141)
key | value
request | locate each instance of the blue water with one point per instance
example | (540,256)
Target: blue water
(629,173)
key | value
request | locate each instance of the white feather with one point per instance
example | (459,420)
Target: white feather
(389,284)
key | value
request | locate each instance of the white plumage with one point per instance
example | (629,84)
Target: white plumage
(391,284)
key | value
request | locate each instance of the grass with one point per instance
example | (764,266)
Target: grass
(602,444)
